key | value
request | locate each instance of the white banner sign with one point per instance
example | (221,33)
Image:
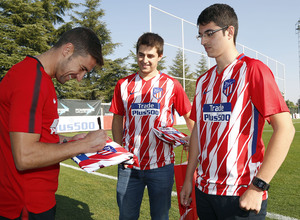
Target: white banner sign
(77,123)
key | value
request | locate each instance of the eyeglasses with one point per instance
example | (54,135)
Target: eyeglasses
(209,33)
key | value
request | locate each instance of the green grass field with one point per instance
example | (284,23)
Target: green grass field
(83,196)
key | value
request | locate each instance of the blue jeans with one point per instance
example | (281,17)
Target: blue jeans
(130,191)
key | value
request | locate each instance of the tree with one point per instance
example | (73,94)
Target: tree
(290,104)
(91,18)
(99,83)
(176,70)
(201,66)
(27,28)
(292,107)
(134,67)
(114,70)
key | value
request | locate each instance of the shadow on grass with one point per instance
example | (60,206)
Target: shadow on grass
(71,209)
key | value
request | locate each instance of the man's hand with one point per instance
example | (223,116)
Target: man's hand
(251,200)
(94,141)
(187,143)
(78,136)
(185,194)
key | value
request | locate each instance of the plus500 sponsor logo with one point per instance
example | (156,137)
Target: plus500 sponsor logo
(77,126)
(217,112)
(144,109)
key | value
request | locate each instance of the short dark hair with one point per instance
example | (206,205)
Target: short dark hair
(85,42)
(151,40)
(222,15)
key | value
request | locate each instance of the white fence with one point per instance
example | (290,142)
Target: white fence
(180,34)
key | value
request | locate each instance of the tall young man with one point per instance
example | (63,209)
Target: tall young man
(147,99)
(30,149)
(233,99)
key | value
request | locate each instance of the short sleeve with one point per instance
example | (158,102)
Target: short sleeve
(264,90)
(26,103)
(117,106)
(182,104)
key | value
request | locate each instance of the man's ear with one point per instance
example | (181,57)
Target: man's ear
(68,49)
(160,57)
(231,31)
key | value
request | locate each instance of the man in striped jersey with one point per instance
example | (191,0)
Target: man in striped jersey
(147,99)
(30,149)
(232,101)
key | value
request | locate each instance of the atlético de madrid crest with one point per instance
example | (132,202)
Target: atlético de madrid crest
(228,86)
(157,92)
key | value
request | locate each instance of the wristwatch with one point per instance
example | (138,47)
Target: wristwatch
(260,184)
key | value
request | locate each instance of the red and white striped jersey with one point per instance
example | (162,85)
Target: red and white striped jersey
(148,104)
(230,109)
(110,155)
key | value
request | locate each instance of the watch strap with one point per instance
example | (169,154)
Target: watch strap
(260,184)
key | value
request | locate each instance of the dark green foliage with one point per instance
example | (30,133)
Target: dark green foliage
(91,18)
(27,27)
(99,83)
(176,70)
(189,81)
(112,71)
(201,67)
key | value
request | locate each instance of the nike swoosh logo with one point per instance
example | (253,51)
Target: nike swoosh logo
(206,91)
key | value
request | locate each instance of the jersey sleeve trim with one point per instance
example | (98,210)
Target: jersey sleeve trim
(36,92)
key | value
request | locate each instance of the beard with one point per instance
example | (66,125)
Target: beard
(62,74)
